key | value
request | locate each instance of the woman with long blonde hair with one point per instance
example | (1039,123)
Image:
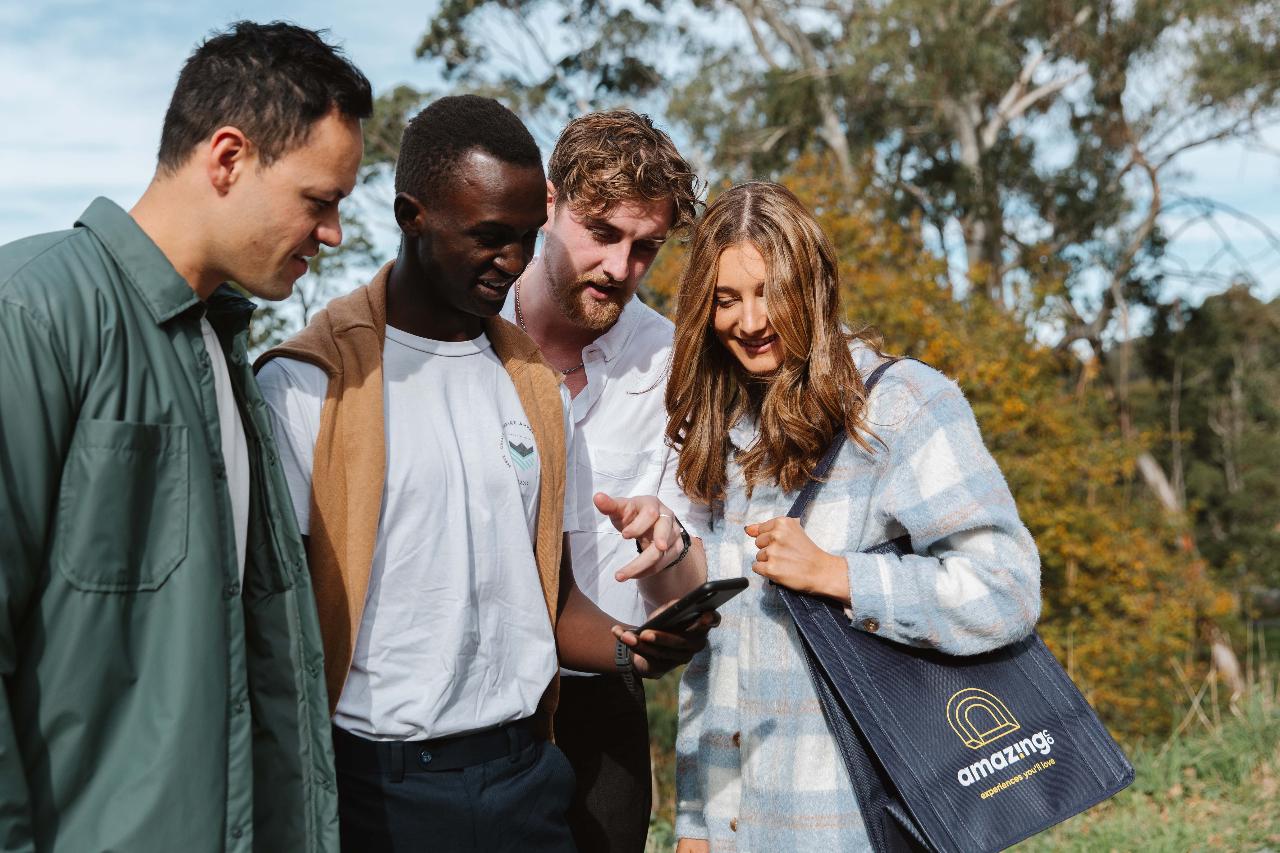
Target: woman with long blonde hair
(764,376)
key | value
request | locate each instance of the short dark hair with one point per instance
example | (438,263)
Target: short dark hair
(272,81)
(436,138)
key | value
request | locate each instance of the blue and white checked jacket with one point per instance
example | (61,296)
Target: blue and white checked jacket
(756,767)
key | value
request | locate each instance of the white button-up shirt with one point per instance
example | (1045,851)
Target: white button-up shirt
(619,448)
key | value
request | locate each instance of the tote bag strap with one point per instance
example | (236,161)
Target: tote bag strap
(878,806)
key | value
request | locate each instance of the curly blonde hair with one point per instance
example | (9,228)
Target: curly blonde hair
(609,158)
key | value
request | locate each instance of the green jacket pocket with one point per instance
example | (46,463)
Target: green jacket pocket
(124,506)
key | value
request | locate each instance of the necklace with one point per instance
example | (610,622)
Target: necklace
(520,322)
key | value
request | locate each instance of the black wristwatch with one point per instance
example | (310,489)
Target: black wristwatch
(622,659)
(684,537)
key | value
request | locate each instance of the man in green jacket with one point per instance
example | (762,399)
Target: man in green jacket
(159,647)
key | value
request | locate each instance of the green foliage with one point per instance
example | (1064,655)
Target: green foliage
(550,60)
(662,706)
(1212,386)
(382,130)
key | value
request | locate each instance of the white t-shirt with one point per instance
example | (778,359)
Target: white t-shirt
(455,634)
(620,448)
(235,448)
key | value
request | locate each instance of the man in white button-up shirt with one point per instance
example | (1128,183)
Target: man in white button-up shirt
(617,189)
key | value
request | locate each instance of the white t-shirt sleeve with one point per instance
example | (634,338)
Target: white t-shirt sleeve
(294,391)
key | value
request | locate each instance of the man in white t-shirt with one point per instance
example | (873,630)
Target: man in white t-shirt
(424,442)
(618,188)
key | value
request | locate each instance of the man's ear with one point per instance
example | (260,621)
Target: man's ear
(410,214)
(551,201)
(228,153)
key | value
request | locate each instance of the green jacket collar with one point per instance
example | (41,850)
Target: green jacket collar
(165,293)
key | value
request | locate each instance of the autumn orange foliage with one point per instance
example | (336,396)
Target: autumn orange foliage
(1119,596)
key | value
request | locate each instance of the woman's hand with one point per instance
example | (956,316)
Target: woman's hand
(787,556)
(651,524)
(693,845)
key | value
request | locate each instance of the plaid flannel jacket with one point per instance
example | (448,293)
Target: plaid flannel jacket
(756,767)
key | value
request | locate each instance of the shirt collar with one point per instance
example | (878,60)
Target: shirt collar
(165,293)
(865,359)
(617,337)
(743,433)
(228,310)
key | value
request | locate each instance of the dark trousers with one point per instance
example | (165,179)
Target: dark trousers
(430,796)
(604,732)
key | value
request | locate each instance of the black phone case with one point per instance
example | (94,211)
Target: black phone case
(707,597)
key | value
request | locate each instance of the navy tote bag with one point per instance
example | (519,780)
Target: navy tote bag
(951,753)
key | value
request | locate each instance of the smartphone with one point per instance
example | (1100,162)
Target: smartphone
(684,612)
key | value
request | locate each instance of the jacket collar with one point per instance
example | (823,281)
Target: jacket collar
(158,285)
(743,433)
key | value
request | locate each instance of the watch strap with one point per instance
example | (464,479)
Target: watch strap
(625,664)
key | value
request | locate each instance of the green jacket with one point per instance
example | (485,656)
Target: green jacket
(149,703)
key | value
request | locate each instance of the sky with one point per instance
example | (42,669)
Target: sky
(86,85)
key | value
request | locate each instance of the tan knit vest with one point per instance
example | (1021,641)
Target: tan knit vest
(349,469)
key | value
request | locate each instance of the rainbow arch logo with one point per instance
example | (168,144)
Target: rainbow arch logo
(978,717)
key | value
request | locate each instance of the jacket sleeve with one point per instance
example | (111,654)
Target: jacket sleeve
(35,423)
(973,583)
(690,770)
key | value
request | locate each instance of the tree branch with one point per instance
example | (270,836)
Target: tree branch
(832,129)
(582,105)
(756,38)
(996,11)
(1014,102)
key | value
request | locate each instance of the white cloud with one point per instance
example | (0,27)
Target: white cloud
(87,84)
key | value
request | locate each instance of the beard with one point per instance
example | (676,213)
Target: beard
(586,311)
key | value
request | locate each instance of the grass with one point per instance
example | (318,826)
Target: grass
(1214,787)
